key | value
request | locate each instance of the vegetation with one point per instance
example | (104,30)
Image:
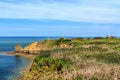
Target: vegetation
(87,59)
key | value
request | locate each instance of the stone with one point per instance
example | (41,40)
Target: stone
(33,47)
(18,48)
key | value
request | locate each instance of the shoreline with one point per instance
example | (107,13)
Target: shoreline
(19,54)
(25,55)
(24,71)
(27,68)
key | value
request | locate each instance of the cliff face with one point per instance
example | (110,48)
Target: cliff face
(36,47)
(33,47)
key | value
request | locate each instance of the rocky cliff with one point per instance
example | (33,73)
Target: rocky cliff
(33,47)
(36,47)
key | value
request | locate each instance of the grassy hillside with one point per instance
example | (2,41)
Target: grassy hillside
(87,59)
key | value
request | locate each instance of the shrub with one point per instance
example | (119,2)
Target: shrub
(63,41)
(77,38)
(49,64)
(117,48)
(98,38)
(97,43)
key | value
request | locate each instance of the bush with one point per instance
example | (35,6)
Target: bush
(117,48)
(49,64)
(97,43)
(78,39)
(98,38)
(63,41)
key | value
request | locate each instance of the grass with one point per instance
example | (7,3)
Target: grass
(109,58)
(88,59)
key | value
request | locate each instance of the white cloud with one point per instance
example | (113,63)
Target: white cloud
(95,11)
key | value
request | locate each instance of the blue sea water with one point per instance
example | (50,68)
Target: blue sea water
(10,65)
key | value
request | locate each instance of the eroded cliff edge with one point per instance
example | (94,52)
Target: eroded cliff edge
(35,47)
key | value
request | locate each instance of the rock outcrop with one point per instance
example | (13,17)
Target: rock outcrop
(18,48)
(34,47)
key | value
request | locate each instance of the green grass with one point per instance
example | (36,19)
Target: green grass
(109,58)
(88,59)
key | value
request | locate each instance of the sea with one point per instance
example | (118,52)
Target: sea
(11,65)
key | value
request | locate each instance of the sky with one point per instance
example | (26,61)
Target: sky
(59,17)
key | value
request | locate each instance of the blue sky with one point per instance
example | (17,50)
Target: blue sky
(59,17)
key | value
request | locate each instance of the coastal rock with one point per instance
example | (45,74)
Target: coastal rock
(18,48)
(34,47)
